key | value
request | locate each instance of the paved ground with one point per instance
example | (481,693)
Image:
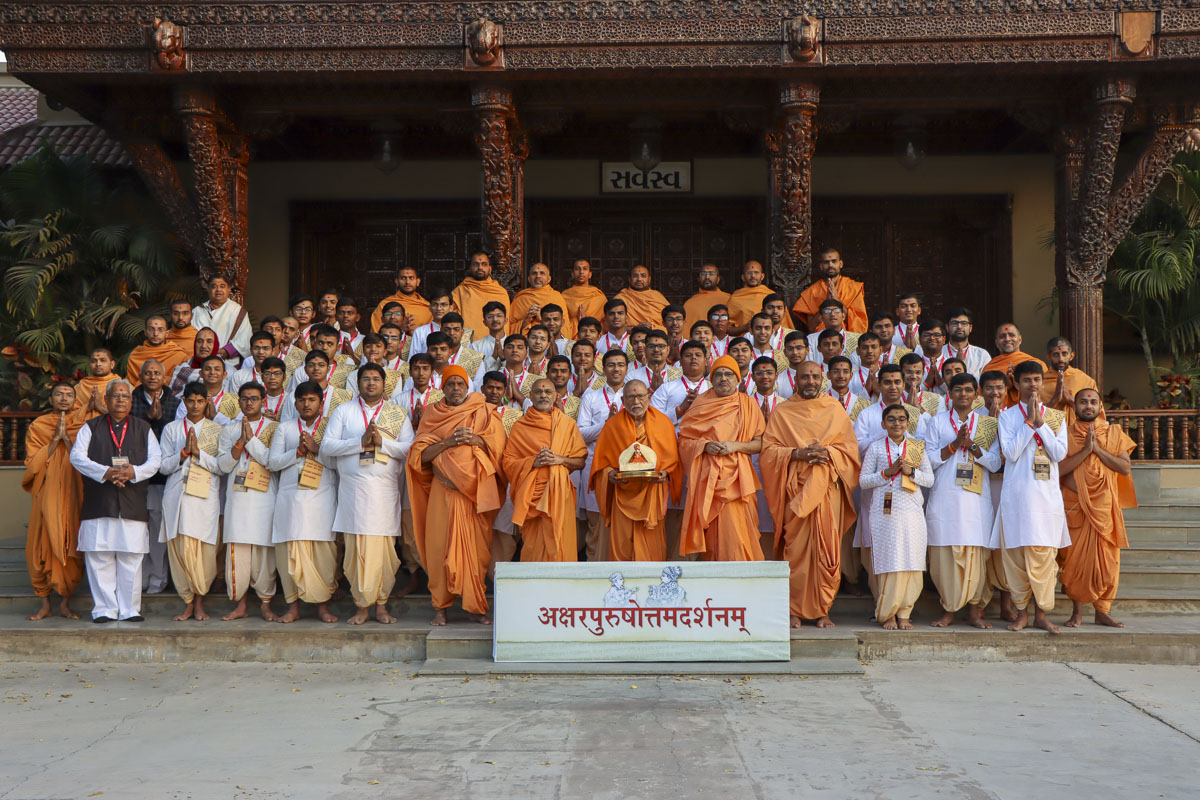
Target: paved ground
(906,730)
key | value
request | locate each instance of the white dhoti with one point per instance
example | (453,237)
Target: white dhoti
(115,579)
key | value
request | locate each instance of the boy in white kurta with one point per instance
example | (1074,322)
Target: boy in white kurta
(368,510)
(764,371)
(191,505)
(898,533)
(305,504)
(1031,524)
(250,487)
(963,450)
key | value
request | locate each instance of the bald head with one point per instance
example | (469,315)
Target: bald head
(636,399)
(542,395)
(809,378)
(1088,405)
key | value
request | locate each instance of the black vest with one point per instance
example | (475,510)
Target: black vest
(104,499)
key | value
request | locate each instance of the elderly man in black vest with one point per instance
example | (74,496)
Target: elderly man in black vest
(116,454)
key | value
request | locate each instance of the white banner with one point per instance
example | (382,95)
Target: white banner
(642,611)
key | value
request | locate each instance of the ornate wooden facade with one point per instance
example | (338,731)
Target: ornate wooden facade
(210,81)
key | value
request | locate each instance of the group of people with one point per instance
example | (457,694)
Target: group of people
(457,429)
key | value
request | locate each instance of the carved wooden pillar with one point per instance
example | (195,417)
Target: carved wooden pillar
(219,155)
(790,147)
(503,148)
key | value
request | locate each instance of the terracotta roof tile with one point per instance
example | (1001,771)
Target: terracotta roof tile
(18,106)
(67,140)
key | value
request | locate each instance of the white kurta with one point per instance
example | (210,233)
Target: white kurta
(901,331)
(301,514)
(220,419)
(221,321)
(594,409)
(183,513)
(248,514)
(113,534)
(868,429)
(954,515)
(815,355)
(420,335)
(1031,511)
(485,346)
(858,382)
(976,358)
(666,399)
(368,496)
(288,412)
(766,523)
(243,376)
(785,384)
(898,540)
(408,399)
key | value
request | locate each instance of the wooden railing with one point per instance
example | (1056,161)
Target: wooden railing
(1161,434)
(13,425)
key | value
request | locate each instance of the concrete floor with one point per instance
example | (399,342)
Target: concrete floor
(357,732)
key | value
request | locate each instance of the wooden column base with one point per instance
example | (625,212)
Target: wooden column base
(1083,323)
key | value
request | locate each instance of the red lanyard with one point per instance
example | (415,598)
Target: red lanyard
(1024,413)
(261,422)
(688,387)
(903,453)
(776,340)
(454,358)
(791,379)
(863,380)
(217,400)
(771,400)
(418,402)
(749,379)
(620,345)
(332,367)
(316,424)
(845,403)
(396,364)
(886,358)
(520,378)
(186,430)
(970,426)
(363,408)
(541,368)
(278,405)
(124,430)
(435,380)
(713,348)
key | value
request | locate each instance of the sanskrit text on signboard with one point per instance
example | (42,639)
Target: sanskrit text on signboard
(619,177)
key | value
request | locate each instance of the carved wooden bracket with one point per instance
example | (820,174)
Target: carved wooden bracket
(483,45)
(790,147)
(503,148)
(167,43)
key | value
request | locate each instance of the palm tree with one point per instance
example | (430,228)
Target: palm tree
(85,259)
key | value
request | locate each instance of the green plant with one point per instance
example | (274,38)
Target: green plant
(85,259)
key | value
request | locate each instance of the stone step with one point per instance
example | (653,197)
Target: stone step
(733,669)
(1088,643)
(1160,555)
(1182,576)
(1149,533)
(1163,510)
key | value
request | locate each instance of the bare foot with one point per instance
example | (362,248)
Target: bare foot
(200,614)
(944,620)
(1076,618)
(439,618)
(796,622)
(905,624)
(382,615)
(825,622)
(359,617)
(324,614)
(291,615)
(1041,621)
(1105,619)
(1008,611)
(1021,620)
(187,612)
(42,612)
(975,617)
(65,610)
(238,612)
(483,619)
(889,624)
(268,614)
(404,591)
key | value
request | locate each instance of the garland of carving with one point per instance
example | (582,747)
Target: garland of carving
(503,148)
(790,149)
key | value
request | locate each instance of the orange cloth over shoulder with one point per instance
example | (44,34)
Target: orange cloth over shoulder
(57,490)
(1091,566)
(1003,363)
(184,339)
(644,307)
(720,516)
(414,304)
(696,307)
(470,296)
(849,291)
(635,511)
(812,504)
(518,321)
(543,497)
(83,394)
(1075,379)
(167,353)
(748,301)
(454,526)
(584,301)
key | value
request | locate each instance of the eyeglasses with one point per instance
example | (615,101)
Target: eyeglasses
(829,312)
(959,323)
(656,345)
(390,338)
(719,316)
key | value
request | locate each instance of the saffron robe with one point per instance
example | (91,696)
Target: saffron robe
(57,490)
(543,497)
(849,291)
(470,296)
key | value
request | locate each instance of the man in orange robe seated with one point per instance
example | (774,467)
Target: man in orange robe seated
(156,347)
(635,509)
(477,290)
(416,307)
(717,436)
(543,449)
(1008,345)
(643,305)
(583,299)
(1063,381)
(747,301)
(1097,483)
(181,333)
(526,308)
(831,283)
(710,294)
(89,392)
(54,563)
(810,467)
(455,491)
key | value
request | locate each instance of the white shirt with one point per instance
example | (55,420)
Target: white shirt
(241,377)
(667,397)
(609,342)
(954,515)
(221,321)
(182,513)
(300,376)
(719,347)
(815,355)
(289,404)
(354,340)
(902,331)
(435,380)
(248,514)
(301,514)
(1031,511)
(976,358)
(898,539)
(113,534)
(485,346)
(859,376)
(420,335)
(220,419)
(368,496)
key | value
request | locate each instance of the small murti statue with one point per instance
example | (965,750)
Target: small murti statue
(483,41)
(804,34)
(168,45)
